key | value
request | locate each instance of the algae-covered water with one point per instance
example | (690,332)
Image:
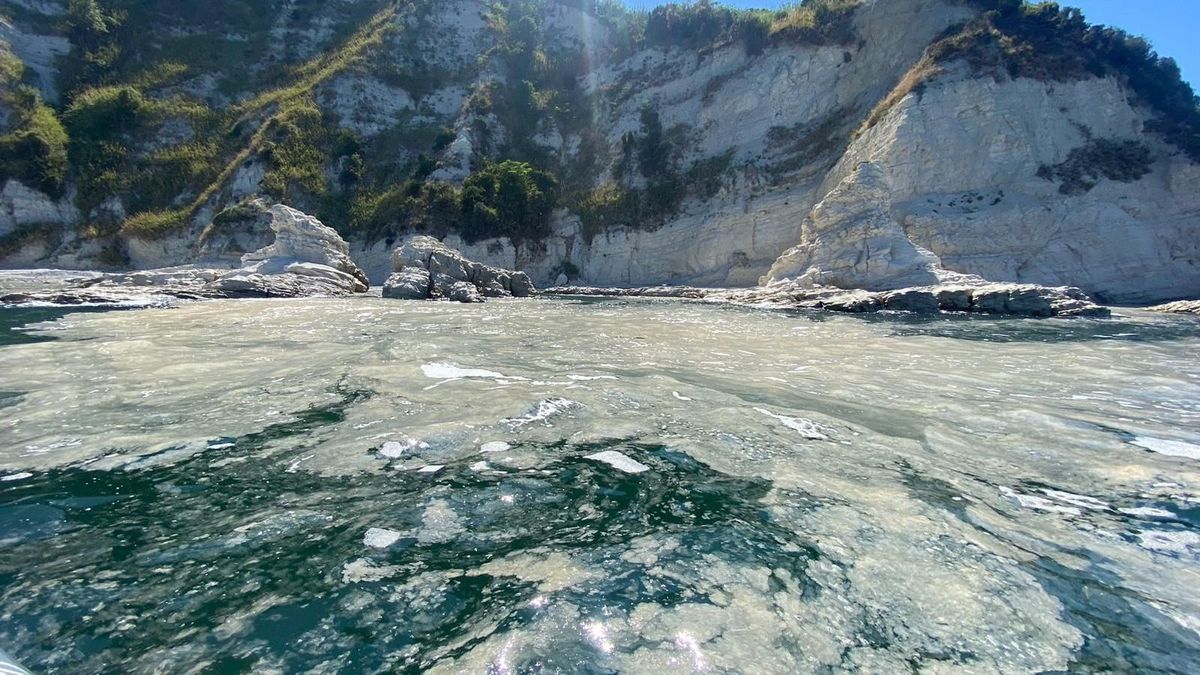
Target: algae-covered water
(596,487)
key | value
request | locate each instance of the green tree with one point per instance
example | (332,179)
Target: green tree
(509,199)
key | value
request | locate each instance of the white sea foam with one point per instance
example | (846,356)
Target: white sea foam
(1038,503)
(1170,542)
(542,412)
(619,461)
(1082,501)
(378,537)
(16,476)
(494,446)
(1148,512)
(402,448)
(1167,447)
(807,428)
(453,371)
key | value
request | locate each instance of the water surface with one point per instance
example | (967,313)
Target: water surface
(596,486)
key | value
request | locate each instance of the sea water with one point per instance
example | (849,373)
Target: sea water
(596,486)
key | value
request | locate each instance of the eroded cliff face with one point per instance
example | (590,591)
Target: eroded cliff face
(972,163)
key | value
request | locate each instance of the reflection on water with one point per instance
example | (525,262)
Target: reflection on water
(597,486)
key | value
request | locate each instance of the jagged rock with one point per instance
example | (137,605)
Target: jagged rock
(494,289)
(1180,307)
(22,205)
(441,284)
(852,241)
(521,286)
(410,283)
(302,238)
(1009,299)
(493,281)
(235,231)
(447,273)
(464,291)
(416,252)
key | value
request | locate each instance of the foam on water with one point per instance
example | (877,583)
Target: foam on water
(453,371)
(619,461)
(1168,447)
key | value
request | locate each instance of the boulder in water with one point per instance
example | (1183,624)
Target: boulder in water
(425,268)
(410,283)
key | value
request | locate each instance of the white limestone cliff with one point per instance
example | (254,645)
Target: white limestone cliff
(952,189)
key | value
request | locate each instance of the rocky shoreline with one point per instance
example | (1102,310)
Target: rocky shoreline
(998,299)
(308,259)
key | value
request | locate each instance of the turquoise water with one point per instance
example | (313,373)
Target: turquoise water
(239,487)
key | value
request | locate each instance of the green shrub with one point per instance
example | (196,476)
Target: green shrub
(36,152)
(169,172)
(705,177)
(607,207)
(431,208)
(509,199)
(1123,161)
(242,211)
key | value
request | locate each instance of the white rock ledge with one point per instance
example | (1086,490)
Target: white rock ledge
(986,298)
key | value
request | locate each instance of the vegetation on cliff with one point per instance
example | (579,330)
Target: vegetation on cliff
(164,105)
(1053,43)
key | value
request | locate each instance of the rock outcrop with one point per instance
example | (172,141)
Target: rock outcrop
(1002,299)
(854,255)
(301,238)
(306,259)
(998,299)
(851,240)
(1179,307)
(426,268)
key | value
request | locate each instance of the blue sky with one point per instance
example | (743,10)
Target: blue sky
(1172,25)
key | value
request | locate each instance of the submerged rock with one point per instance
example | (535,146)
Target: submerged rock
(425,268)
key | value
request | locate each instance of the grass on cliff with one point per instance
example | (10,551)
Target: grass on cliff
(289,117)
